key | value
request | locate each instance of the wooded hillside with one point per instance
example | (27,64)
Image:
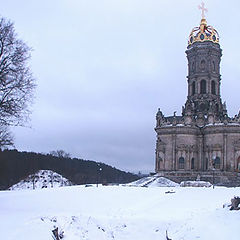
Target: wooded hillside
(15,166)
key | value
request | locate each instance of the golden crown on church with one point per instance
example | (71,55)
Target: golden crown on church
(204,32)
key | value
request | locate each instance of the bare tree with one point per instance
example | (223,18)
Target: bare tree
(6,138)
(60,154)
(16,81)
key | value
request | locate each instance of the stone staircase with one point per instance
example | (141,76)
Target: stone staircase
(148,182)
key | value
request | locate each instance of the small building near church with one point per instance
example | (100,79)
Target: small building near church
(204,138)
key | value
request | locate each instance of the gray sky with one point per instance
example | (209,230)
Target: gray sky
(103,67)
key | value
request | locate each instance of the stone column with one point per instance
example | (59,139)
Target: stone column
(156,162)
(209,86)
(224,161)
(164,156)
(209,160)
(200,152)
(174,152)
(198,86)
(189,88)
(189,159)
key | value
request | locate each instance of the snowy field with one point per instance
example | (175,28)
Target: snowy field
(120,213)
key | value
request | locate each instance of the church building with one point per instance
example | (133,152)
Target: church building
(204,138)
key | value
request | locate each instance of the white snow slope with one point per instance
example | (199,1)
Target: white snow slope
(119,213)
(153,181)
(42,179)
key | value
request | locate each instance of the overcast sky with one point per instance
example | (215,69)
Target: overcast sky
(103,67)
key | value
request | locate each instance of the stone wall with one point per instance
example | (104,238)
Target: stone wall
(199,147)
(219,178)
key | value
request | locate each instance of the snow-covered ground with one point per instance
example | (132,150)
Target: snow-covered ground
(119,213)
(42,179)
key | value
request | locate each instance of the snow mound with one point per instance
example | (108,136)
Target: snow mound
(195,184)
(42,179)
(153,181)
(163,182)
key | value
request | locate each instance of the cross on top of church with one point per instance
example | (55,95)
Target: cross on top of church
(202,7)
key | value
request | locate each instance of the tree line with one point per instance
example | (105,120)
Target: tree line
(16,166)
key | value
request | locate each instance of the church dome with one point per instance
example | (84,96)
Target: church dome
(203,33)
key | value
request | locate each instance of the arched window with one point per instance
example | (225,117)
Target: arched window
(202,65)
(213,87)
(202,107)
(203,87)
(192,163)
(213,66)
(181,164)
(193,88)
(217,163)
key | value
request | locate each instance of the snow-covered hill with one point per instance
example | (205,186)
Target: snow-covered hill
(119,213)
(42,179)
(153,181)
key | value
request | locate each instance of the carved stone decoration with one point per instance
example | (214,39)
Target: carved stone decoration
(237,145)
(161,145)
(217,147)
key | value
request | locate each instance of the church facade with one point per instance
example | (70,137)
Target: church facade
(204,138)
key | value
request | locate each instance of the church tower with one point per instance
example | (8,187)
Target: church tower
(204,102)
(203,138)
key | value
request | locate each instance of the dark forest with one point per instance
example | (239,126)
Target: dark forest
(16,166)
